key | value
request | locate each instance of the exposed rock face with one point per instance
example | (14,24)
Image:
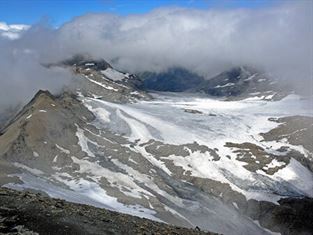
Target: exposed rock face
(99,80)
(194,111)
(46,118)
(296,130)
(85,61)
(292,216)
(27,213)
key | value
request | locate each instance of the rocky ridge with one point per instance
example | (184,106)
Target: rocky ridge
(31,213)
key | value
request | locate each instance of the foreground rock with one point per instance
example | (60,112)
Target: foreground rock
(31,213)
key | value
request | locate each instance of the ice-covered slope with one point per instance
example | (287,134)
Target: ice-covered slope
(179,159)
(218,127)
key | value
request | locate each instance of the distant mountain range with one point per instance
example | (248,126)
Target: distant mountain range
(236,83)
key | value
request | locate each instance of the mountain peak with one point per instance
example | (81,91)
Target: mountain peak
(86,61)
(43,93)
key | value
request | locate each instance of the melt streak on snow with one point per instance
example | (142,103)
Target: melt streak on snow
(164,120)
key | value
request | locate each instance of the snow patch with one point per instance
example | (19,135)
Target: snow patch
(226,85)
(35,154)
(83,141)
(113,74)
(30,170)
(63,150)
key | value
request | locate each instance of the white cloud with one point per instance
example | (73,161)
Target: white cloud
(277,39)
(12,31)
(206,41)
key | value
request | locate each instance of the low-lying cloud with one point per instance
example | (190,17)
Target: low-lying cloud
(206,41)
(277,39)
(22,73)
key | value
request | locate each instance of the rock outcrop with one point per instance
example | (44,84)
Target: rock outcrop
(30,213)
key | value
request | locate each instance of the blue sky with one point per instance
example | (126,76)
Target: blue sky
(60,11)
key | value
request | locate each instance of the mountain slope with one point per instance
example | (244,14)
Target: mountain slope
(190,161)
(30,213)
(243,82)
(99,80)
(51,147)
(234,84)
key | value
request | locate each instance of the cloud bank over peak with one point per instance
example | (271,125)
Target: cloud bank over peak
(205,41)
(277,39)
